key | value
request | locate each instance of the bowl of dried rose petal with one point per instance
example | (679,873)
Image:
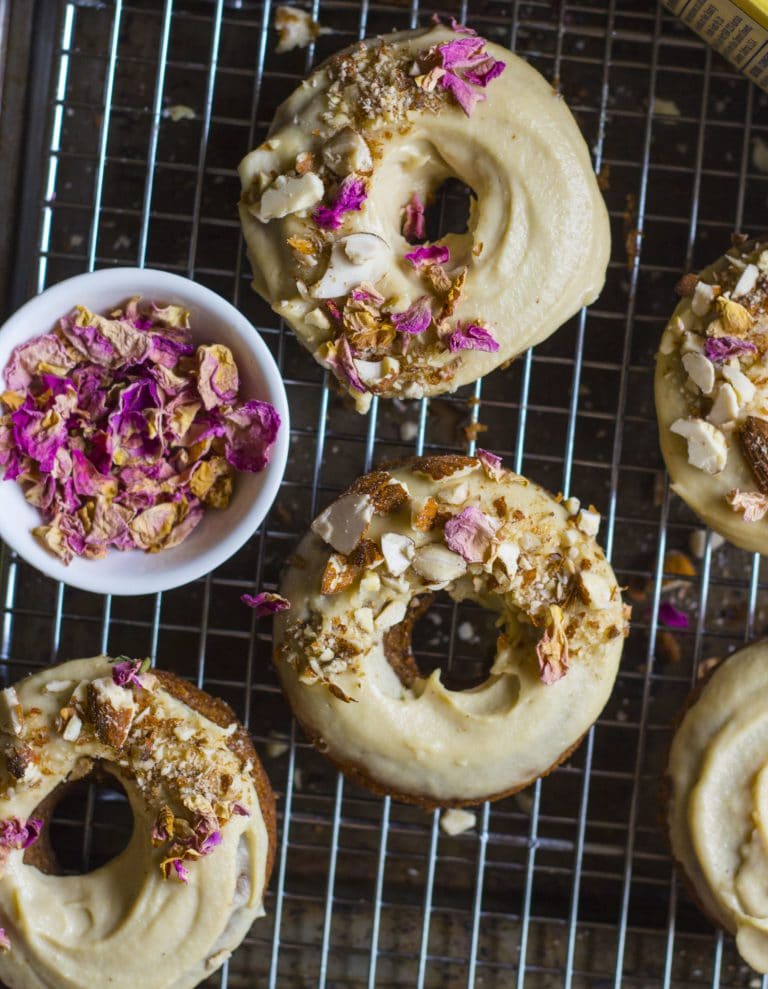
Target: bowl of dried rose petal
(143,431)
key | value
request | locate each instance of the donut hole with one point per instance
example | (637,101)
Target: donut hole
(88,822)
(448,209)
(458,638)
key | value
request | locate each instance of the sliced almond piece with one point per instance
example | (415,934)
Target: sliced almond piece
(344,523)
(438,564)
(111,710)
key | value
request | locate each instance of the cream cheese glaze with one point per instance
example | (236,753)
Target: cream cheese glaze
(404,532)
(718,799)
(124,924)
(711,386)
(538,240)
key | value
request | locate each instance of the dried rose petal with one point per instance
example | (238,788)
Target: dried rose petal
(672,617)
(217,379)
(349,197)
(552,649)
(5,943)
(470,534)
(461,53)
(435,254)
(491,463)
(486,72)
(414,225)
(210,842)
(470,336)
(15,832)
(265,603)
(719,349)
(240,809)
(249,433)
(752,504)
(182,873)
(415,319)
(127,673)
(112,430)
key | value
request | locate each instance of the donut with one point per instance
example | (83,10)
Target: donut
(712,395)
(366,569)
(170,908)
(332,210)
(715,799)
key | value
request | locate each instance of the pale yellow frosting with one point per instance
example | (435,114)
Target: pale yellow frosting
(538,241)
(680,399)
(718,809)
(123,925)
(426,741)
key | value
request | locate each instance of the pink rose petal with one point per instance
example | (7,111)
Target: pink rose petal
(265,603)
(471,336)
(415,319)
(349,197)
(470,534)
(672,617)
(434,254)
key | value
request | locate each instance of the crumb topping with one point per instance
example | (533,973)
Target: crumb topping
(541,573)
(720,332)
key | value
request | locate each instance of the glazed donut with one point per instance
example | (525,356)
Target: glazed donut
(172,906)
(717,811)
(331,200)
(712,395)
(359,578)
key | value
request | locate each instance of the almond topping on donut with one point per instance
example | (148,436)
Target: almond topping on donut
(437,564)
(754,443)
(386,493)
(338,574)
(344,523)
(111,710)
(11,712)
(442,466)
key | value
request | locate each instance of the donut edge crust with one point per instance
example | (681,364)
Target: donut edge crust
(666,789)
(41,854)
(356,774)
(241,744)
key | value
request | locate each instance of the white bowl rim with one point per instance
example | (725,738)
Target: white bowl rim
(87,575)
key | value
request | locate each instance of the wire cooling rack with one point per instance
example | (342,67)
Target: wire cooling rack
(136,117)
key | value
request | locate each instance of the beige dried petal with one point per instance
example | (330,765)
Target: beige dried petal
(552,649)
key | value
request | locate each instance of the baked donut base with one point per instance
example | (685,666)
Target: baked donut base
(357,774)
(42,854)
(665,791)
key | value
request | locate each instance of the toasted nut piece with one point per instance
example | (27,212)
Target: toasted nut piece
(111,710)
(437,564)
(754,442)
(737,319)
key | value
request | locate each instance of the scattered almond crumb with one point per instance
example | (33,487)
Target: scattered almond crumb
(296,29)
(471,431)
(179,112)
(665,108)
(455,821)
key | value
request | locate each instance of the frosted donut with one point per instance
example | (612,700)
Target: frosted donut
(717,799)
(332,206)
(712,395)
(172,906)
(479,532)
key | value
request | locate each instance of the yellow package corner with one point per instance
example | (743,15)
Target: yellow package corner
(737,29)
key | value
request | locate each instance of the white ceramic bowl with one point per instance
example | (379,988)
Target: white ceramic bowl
(221,532)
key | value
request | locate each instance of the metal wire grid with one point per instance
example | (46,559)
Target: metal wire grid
(568,884)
